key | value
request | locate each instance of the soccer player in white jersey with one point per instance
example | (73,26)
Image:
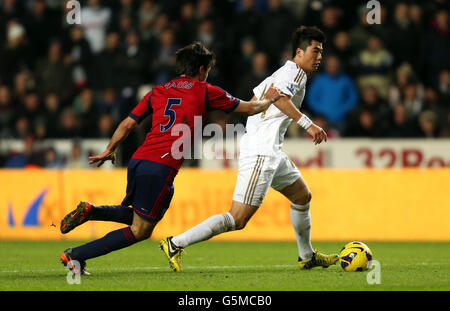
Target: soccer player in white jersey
(262,164)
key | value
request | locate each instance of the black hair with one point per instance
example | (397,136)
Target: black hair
(304,35)
(191,57)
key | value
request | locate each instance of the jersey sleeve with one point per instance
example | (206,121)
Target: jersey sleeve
(218,99)
(142,109)
(289,81)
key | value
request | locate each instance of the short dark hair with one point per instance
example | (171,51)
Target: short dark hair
(191,57)
(304,35)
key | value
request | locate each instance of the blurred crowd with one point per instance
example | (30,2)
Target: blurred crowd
(61,80)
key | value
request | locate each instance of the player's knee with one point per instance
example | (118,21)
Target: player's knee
(304,198)
(240,224)
(308,197)
(141,232)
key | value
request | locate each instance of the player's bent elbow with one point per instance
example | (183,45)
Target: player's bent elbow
(128,123)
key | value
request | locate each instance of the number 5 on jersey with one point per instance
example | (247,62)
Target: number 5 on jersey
(169,112)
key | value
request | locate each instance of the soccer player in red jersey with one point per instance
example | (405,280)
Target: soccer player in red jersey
(154,165)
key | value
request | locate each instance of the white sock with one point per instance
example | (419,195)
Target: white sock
(301,221)
(212,226)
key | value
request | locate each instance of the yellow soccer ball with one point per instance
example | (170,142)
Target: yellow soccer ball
(355,256)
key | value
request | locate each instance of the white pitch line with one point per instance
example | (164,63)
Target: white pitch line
(156,268)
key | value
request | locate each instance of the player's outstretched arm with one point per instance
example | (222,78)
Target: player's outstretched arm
(256,106)
(118,137)
(288,108)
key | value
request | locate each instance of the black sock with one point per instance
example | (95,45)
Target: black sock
(112,241)
(116,213)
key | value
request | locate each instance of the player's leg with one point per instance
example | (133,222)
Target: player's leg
(291,184)
(140,229)
(114,240)
(150,196)
(87,211)
(300,196)
(118,213)
(235,219)
(252,184)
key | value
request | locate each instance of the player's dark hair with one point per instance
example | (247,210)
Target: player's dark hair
(304,35)
(191,57)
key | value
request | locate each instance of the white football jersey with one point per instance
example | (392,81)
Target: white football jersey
(264,132)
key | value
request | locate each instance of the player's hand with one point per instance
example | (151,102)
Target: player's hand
(317,133)
(101,158)
(273,94)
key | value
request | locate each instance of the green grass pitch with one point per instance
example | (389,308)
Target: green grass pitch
(223,266)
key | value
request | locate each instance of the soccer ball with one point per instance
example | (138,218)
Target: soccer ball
(355,256)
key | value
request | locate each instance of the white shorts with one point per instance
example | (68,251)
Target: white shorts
(258,173)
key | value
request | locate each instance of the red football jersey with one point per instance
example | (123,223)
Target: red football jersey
(176,102)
